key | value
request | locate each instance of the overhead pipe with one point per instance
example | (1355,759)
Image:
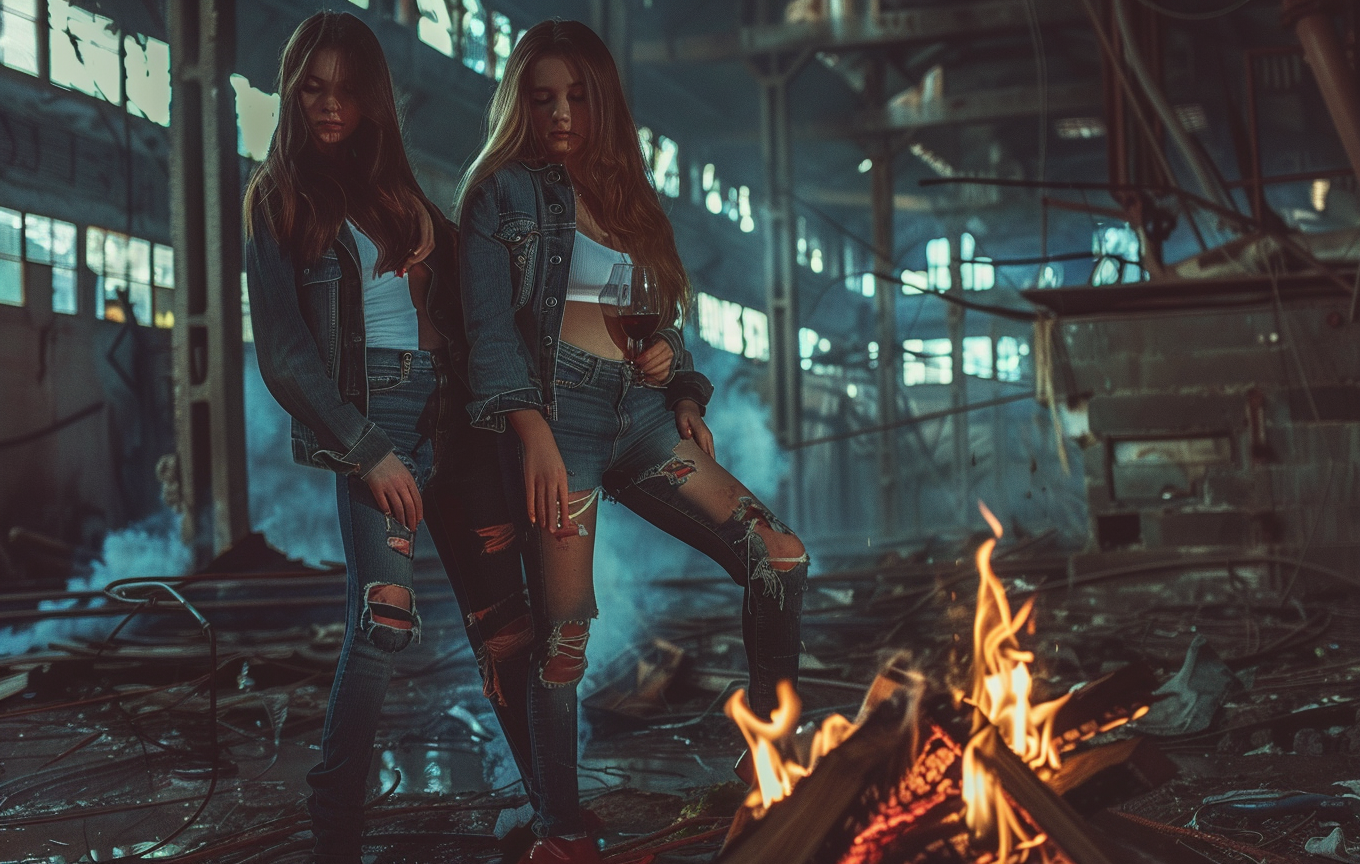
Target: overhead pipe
(1322,49)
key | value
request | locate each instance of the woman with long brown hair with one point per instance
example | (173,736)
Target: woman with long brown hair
(353,282)
(558,196)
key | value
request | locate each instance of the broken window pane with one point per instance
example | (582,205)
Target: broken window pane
(85,51)
(435,27)
(362,4)
(257,113)
(19,35)
(11,265)
(148,78)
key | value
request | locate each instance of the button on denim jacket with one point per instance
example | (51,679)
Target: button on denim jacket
(308,320)
(517,231)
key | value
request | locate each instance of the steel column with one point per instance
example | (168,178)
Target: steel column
(206,227)
(1335,77)
(885,308)
(958,387)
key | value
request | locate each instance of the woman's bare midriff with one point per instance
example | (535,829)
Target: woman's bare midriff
(583,326)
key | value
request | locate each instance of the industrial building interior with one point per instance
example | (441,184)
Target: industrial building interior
(1093,264)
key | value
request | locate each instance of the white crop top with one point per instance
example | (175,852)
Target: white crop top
(591,264)
(389,315)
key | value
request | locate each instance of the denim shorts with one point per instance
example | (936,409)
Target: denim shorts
(605,422)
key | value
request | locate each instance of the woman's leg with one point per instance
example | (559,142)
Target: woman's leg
(471,524)
(562,595)
(381,619)
(693,498)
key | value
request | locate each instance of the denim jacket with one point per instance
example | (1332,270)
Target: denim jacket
(518,227)
(308,319)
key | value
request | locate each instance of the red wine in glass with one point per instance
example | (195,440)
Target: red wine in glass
(633,300)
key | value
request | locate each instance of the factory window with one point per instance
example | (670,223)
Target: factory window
(927,361)
(734,328)
(1009,352)
(748,222)
(502,40)
(712,189)
(122,267)
(257,113)
(11,257)
(435,27)
(362,4)
(977,356)
(163,285)
(1117,252)
(976,273)
(247,323)
(52,242)
(914,281)
(937,264)
(148,78)
(810,343)
(666,168)
(85,50)
(474,36)
(19,35)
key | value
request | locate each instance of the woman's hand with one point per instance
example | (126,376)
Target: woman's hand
(396,492)
(545,475)
(426,243)
(655,361)
(689,422)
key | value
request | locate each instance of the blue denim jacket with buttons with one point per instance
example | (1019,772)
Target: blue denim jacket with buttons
(308,320)
(517,231)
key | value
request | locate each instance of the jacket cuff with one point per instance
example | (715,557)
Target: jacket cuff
(689,385)
(676,341)
(372,447)
(490,413)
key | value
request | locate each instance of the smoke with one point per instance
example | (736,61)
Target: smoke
(291,504)
(148,549)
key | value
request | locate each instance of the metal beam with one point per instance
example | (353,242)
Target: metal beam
(610,19)
(936,23)
(206,226)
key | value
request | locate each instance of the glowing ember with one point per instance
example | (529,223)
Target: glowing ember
(775,775)
(1001,696)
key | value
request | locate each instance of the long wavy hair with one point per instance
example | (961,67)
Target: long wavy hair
(617,183)
(303,195)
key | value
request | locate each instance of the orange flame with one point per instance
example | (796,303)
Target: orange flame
(775,775)
(1001,695)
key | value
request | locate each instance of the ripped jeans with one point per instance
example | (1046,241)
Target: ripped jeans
(618,436)
(380,609)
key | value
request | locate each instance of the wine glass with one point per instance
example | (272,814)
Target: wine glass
(632,304)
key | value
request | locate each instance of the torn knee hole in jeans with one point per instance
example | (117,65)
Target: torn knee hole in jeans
(509,642)
(564,662)
(496,538)
(771,571)
(389,618)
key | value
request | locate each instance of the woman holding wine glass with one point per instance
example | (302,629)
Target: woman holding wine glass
(568,262)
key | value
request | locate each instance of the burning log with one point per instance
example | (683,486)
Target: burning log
(907,783)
